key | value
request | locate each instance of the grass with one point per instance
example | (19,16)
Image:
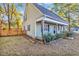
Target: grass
(20,46)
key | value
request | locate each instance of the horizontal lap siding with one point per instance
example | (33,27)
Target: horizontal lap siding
(32,15)
(52,28)
(38,31)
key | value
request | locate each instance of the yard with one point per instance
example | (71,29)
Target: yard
(19,45)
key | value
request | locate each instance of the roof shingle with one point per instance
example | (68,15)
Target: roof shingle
(49,13)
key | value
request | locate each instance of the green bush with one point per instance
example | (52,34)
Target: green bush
(69,34)
(58,35)
(63,34)
(49,37)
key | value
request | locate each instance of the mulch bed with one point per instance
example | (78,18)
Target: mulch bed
(11,32)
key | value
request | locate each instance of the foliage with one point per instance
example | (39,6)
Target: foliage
(19,23)
(64,10)
(49,37)
(60,35)
(69,34)
(13,16)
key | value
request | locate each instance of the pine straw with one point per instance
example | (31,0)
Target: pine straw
(20,46)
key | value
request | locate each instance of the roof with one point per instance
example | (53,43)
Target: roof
(49,13)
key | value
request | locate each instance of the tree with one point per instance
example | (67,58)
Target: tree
(1,12)
(64,10)
(8,6)
(17,15)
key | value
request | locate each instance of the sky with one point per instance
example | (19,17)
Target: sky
(21,8)
(46,5)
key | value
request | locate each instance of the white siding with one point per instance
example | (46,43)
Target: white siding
(32,15)
(35,29)
(38,31)
(51,29)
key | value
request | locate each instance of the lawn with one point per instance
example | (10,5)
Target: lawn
(19,45)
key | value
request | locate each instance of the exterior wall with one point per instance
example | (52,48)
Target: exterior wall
(35,29)
(32,15)
(38,31)
(75,29)
(65,28)
(52,28)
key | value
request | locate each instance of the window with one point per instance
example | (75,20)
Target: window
(54,29)
(63,28)
(46,27)
(58,27)
(28,27)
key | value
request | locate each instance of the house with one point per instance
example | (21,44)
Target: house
(41,21)
(75,29)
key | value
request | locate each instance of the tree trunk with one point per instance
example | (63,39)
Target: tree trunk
(69,26)
(17,27)
(0,26)
(9,17)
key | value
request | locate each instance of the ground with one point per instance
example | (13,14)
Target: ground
(12,31)
(20,45)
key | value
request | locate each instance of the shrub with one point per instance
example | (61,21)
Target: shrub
(63,35)
(69,34)
(58,35)
(49,37)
